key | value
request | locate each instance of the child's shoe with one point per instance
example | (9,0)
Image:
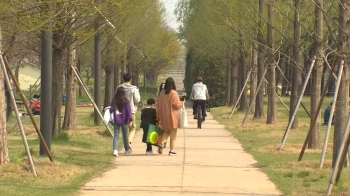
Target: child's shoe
(149,152)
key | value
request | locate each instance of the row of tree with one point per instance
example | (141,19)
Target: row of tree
(276,40)
(133,37)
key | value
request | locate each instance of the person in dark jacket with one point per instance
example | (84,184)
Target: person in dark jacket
(122,118)
(326,116)
(148,116)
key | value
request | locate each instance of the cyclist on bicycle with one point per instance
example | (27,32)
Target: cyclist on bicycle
(199,95)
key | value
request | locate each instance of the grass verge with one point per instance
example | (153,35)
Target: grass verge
(289,175)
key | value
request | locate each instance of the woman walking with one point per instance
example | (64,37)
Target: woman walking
(168,115)
(122,118)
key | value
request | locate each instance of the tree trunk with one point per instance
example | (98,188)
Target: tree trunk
(234,81)
(259,103)
(57,81)
(4,155)
(271,107)
(70,122)
(314,140)
(228,85)
(243,77)
(253,76)
(109,88)
(116,77)
(295,71)
(342,105)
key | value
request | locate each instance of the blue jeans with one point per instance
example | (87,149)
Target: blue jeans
(125,133)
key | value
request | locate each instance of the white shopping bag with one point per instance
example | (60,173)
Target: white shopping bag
(183,118)
(108,116)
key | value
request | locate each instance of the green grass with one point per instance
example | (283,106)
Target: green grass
(78,156)
(263,141)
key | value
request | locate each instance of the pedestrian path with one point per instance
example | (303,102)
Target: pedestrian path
(209,161)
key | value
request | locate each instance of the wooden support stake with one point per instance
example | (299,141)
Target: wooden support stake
(239,97)
(8,84)
(29,111)
(90,97)
(313,119)
(256,93)
(337,160)
(329,124)
(297,105)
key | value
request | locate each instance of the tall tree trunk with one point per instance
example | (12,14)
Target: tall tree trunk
(243,74)
(69,121)
(342,105)
(116,80)
(109,87)
(228,84)
(57,81)
(253,76)
(4,155)
(234,81)
(259,103)
(271,107)
(295,71)
(314,140)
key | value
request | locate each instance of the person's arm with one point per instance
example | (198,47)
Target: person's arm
(192,93)
(206,93)
(136,96)
(175,101)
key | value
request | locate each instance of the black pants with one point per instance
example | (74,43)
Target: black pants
(202,104)
(144,138)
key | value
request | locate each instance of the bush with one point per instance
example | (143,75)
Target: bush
(151,89)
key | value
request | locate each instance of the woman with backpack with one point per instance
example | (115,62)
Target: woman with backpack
(122,118)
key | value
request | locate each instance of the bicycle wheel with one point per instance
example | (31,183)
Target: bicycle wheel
(199,117)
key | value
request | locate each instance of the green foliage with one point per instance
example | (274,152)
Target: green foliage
(151,89)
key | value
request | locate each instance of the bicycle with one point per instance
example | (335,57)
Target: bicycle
(199,117)
(207,107)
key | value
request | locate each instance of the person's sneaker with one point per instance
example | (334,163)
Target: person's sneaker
(149,152)
(171,153)
(115,153)
(128,152)
(160,149)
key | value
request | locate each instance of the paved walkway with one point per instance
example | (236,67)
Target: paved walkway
(209,161)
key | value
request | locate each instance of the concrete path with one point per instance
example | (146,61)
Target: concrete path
(209,161)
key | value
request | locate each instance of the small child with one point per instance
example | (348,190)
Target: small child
(148,116)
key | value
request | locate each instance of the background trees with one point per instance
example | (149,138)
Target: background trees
(134,38)
(221,37)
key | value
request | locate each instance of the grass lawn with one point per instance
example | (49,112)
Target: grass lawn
(78,156)
(263,141)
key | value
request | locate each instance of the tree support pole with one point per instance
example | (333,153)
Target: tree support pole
(279,98)
(29,112)
(7,81)
(337,160)
(291,85)
(297,105)
(91,99)
(331,114)
(313,119)
(256,93)
(239,97)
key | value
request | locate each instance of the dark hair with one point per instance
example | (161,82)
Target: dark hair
(127,77)
(36,96)
(119,100)
(151,101)
(161,87)
(169,85)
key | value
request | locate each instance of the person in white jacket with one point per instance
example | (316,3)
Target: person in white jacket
(199,95)
(133,95)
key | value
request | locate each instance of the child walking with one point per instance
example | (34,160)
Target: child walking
(122,118)
(148,116)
